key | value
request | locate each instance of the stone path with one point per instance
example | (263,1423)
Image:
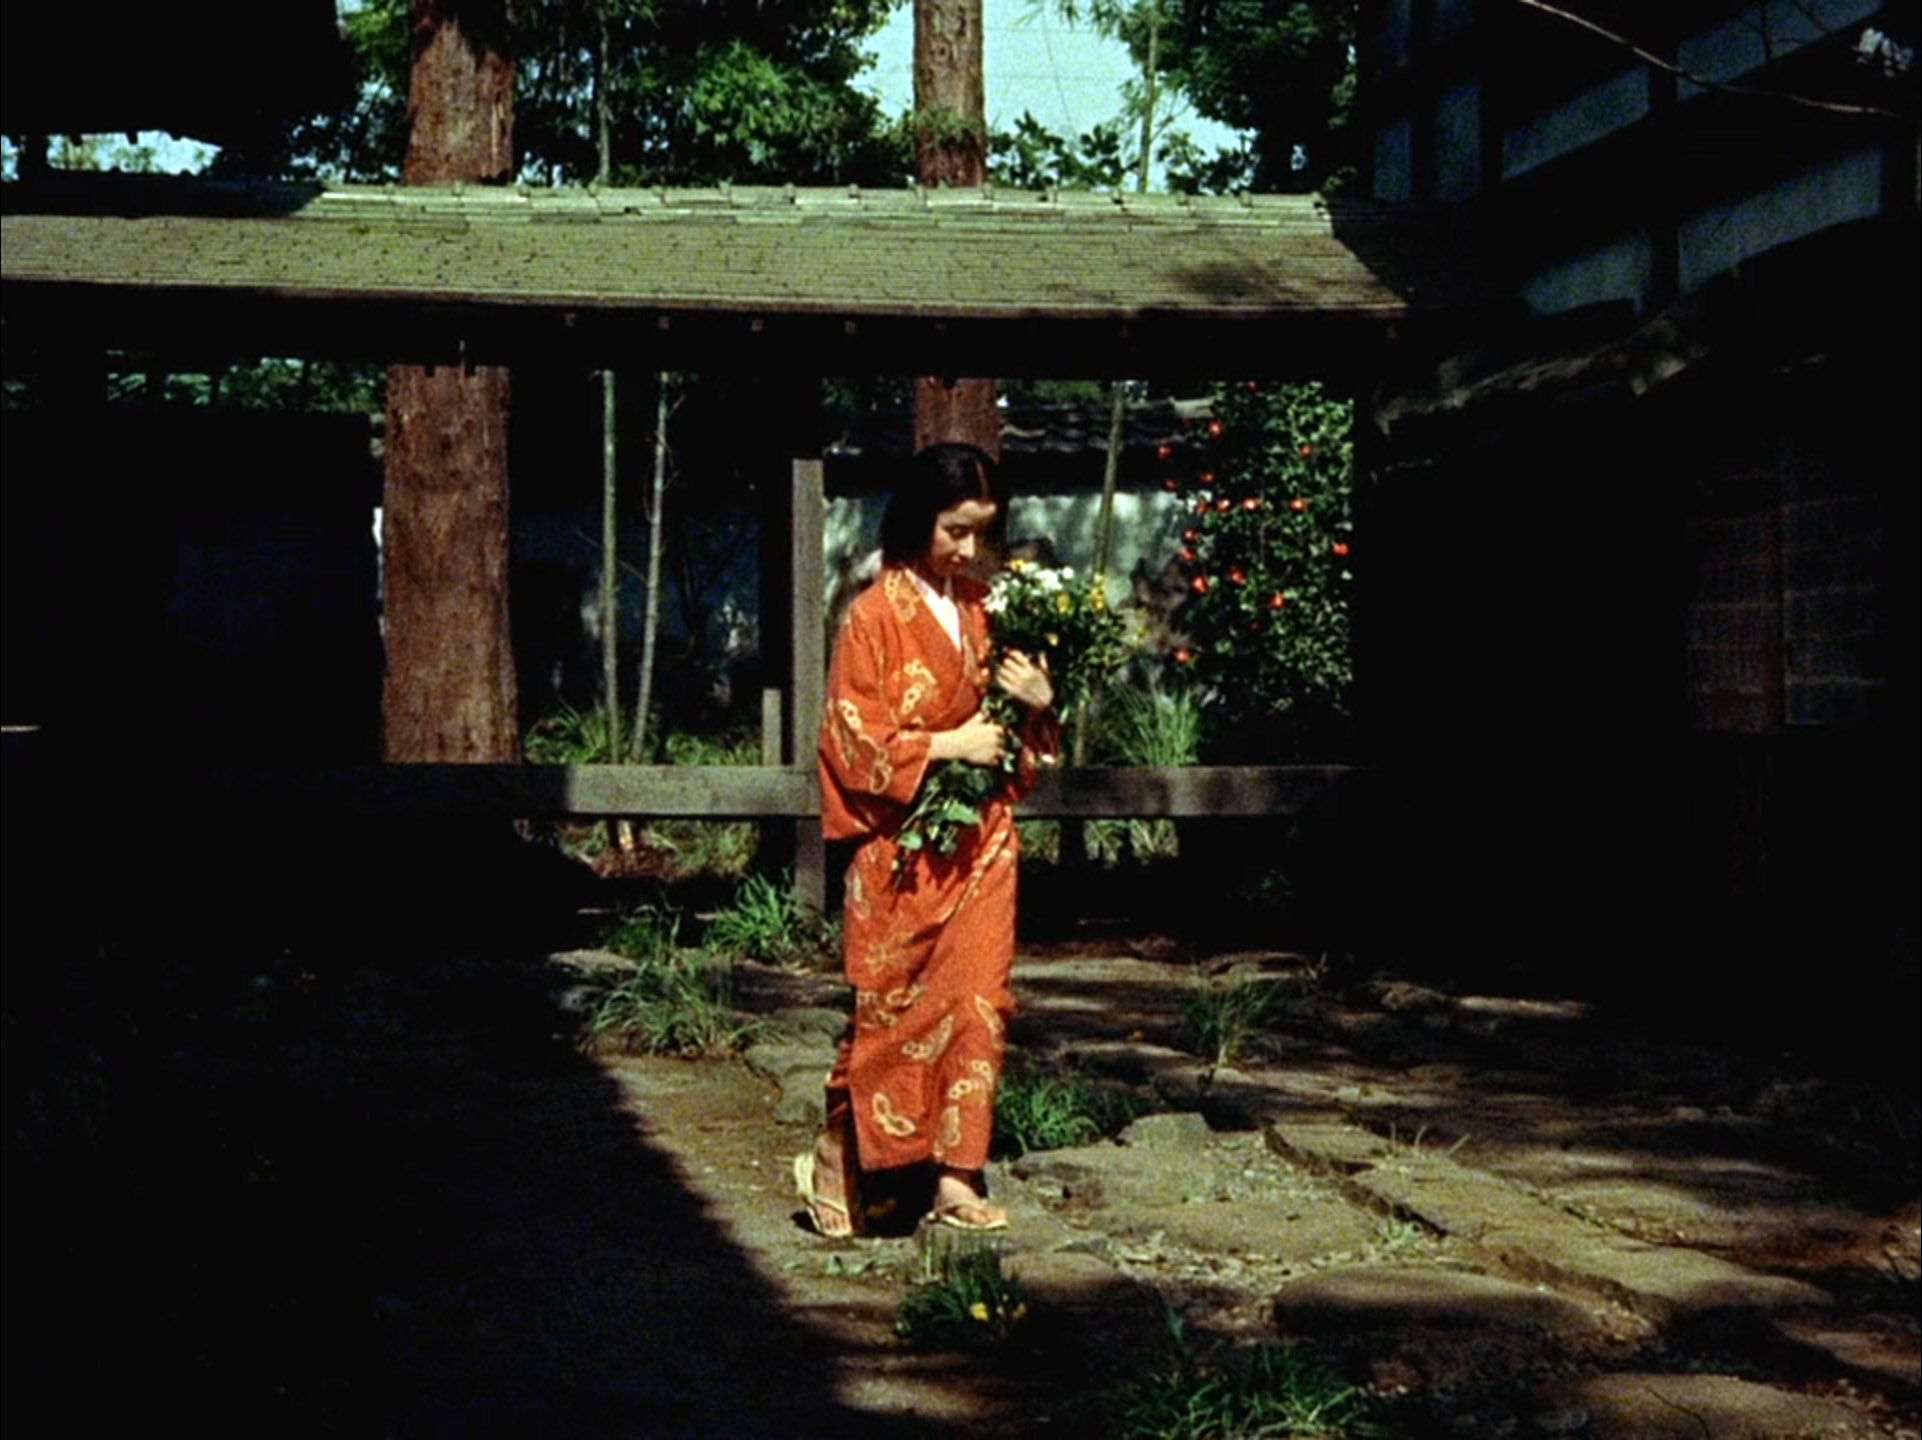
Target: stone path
(1519,1222)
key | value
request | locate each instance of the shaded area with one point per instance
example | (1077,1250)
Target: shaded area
(285,1158)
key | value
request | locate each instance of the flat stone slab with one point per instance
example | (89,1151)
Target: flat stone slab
(800,1068)
(1688,1407)
(1178,1133)
(1093,1176)
(1369,1299)
(1250,1229)
(1530,1235)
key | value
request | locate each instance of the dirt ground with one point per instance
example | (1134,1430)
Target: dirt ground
(329,1190)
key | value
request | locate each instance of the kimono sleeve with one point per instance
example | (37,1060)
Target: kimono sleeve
(1040,749)
(864,749)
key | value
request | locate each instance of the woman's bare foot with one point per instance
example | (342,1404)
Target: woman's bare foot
(960,1200)
(821,1179)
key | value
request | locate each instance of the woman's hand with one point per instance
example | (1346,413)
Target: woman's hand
(1025,680)
(977,740)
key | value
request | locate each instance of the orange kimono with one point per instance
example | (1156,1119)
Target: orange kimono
(929,953)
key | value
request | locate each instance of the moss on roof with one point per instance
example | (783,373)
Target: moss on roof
(908,253)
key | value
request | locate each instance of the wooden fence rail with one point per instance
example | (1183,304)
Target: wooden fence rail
(719,792)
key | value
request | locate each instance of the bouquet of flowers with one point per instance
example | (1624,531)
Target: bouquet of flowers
(1055,620)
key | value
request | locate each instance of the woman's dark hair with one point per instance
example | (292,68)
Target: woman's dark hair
(937,479)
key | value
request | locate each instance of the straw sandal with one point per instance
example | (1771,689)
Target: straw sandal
(971,1212)
(829,1217)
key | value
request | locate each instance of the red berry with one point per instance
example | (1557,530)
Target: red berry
(1224,503)
(1191,536)
(1184,655)
(1187,556)
(1251,503)
(1340,547)
(1214,429)
(1277,600)
(1171,484)
(1199,584)
(1164,451)
(1306,451)
(1237,575)
(1207,477)
(1298,504)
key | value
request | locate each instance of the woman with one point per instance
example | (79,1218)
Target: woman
(927,949)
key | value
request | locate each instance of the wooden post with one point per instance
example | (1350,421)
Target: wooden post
(807,521)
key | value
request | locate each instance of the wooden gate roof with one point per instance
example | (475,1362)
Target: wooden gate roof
(835,280)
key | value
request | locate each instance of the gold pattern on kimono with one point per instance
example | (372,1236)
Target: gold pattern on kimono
(989,1018)
(921,684)
(964,1087)
(984,1070)
(930,1049)
(899,589)
(887,956)
(950,1132)
(904,997)
(857,747)
(890,1119)
(857,894)
(868,1010)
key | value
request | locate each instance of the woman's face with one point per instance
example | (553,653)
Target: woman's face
(957,537)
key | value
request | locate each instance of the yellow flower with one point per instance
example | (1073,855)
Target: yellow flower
(979,1310)
(1054,642)
(1064,602)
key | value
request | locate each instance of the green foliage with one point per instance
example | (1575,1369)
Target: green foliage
(697,93)
(1284,69)
(1269,489)
(1144,725)
(1227,1018)
(570,737)
(962,1301)
(1268,1391)
(1033,157)
(1036,1110)
(767,923)
(672,1003)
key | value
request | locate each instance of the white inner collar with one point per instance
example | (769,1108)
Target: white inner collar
(941,603)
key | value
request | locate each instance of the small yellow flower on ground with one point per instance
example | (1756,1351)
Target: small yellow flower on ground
(979,1310)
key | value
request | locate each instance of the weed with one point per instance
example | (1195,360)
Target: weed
(1225,1019)
(1393,1235)
(1144,726)
(1267,1390)
(672,1003)
(962,1300)
(767,923)
(1034,1110)
(570,737)
(708,847)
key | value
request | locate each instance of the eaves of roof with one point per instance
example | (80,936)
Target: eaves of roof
(918,270)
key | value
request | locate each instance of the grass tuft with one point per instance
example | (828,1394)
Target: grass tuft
(963,1300)
(673,1003)
(1036,1110)
(767,923)
(1269,1391)
(1227,1018)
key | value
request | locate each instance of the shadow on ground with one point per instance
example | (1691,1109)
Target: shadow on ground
(298,1145)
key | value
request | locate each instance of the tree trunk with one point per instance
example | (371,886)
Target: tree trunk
(951,149)
(449,692)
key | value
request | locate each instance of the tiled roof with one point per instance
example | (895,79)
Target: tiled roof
(844,256)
